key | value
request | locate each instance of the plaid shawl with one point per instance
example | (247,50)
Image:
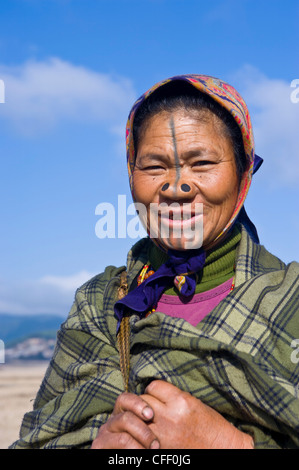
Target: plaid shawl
(237,360)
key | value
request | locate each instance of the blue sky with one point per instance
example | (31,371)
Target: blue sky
(72,69)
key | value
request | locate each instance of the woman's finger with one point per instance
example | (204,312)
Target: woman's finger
(163,391)
(135,404)
(106,440)
(126,431)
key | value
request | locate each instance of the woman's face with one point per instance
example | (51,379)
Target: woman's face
(184,163)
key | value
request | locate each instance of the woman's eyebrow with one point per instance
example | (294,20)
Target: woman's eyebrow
(152,156)
(200,152)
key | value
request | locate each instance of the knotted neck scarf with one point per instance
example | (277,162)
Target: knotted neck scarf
(181,266)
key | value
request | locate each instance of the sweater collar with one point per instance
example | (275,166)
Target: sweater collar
(218,267)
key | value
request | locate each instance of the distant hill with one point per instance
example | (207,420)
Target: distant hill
(15,328)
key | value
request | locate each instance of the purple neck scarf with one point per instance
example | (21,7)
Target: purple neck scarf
(145,297)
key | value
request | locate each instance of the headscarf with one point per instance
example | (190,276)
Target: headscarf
(148,293)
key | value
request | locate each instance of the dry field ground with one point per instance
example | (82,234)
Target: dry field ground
(19,384)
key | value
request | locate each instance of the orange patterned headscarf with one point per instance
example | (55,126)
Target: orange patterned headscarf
(229,98)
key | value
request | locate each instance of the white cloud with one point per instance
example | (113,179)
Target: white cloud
(66,283)
(50,294)
(275,122)
(39,95)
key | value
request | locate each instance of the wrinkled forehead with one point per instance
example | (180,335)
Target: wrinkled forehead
(183,133)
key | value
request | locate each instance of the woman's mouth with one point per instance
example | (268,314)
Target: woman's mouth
(181,222)
(181,219)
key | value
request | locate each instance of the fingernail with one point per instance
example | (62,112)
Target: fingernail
(147,412)
(155,444)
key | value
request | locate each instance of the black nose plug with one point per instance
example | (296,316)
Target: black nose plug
(186,188)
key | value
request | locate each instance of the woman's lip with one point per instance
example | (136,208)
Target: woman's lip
(179,221)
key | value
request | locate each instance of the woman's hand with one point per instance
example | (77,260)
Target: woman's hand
(181,421)
(127,427)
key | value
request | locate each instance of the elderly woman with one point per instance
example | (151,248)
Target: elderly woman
(190,345)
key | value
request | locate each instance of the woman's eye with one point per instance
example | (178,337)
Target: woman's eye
(154,167)
(202,163)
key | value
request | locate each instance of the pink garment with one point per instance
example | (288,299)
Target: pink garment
(198,307)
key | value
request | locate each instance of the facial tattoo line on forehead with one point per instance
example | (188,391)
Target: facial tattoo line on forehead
(176,156)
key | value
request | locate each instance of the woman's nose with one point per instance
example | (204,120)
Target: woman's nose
(177,189)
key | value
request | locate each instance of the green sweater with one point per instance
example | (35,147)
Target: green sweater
(218,268)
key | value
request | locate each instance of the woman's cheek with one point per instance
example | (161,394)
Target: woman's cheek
(144,187)
(218,190)
(137,185)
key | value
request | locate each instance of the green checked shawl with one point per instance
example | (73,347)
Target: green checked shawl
(238,360)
